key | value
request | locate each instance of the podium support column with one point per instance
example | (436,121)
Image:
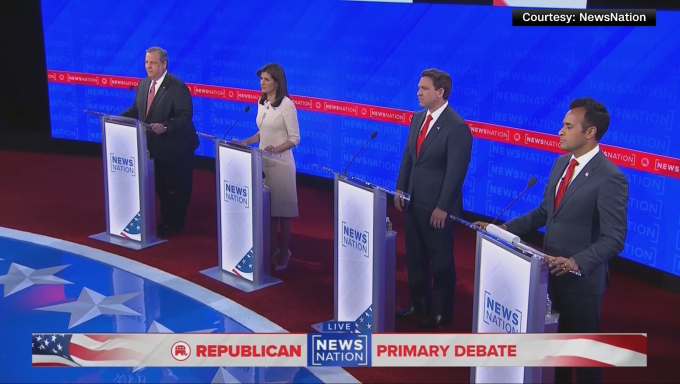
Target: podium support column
(384,257)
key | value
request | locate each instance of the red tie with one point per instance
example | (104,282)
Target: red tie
(423,133)
(565,182)
(149,97)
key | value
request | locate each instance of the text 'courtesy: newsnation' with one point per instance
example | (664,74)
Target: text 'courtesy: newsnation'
(526,17)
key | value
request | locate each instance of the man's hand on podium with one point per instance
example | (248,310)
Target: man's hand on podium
(561,265)
(483,225)
(158,128)
(399,200)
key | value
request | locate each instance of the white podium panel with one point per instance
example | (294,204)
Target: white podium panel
(124,208)
(503,305)
(364,256)
(355,232)
(236,213)
(243,217)
(129,190)
(510,296)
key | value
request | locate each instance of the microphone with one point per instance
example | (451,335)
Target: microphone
(373,136)
(233,125)
(130,88)
(530,184)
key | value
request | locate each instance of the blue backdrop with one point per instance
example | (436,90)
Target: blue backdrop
(373,53)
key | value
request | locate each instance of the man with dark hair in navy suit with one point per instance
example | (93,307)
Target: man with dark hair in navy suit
(432,171)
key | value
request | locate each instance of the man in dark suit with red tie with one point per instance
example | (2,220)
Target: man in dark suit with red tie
(164,102)
(432,171)
(584,212)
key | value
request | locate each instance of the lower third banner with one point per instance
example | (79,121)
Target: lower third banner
(339,349)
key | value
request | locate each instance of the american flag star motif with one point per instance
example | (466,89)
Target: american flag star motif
(134,227)
(86,350)
(364,323)
(52,350)
(244,268)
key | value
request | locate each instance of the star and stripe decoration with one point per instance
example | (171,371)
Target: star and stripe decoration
(134,227)
(364,322)
(244,268)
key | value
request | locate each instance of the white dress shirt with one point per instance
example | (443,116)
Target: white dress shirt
(158,84)
(582,160)
(435,117)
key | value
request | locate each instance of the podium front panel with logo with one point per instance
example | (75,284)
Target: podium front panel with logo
(364,257)
(510,297)
(128,184)
(243,218)
(354,237)
(236,212)
(124,208)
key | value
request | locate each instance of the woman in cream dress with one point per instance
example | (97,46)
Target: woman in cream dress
(278,132)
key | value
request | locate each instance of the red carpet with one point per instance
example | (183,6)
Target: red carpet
(62,197)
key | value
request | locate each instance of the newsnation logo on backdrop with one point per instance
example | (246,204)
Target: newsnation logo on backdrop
(339,345)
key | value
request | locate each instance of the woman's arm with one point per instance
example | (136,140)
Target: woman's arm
(252,139)
(290,119)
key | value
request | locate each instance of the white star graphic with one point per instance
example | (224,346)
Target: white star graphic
(223,376)
(20,277)
(91,304)
(157,327)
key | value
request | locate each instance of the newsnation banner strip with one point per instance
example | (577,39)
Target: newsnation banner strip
(624,157)
(339,350)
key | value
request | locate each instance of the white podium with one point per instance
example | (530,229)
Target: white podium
(243,217)
(510,296)
(129,190)
(365,253)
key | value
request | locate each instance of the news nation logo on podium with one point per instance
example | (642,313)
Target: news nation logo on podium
(354,274)
(124,208)
(237,194)
(355,238)
(499,315)
(123,164)
(236,213)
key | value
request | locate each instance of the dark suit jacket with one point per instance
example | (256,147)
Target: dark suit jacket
(590,224)
(172,106)
(435,178)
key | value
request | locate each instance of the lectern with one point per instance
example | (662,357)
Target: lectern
(243,217)
(511,296)
(365,252)
(129,191)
